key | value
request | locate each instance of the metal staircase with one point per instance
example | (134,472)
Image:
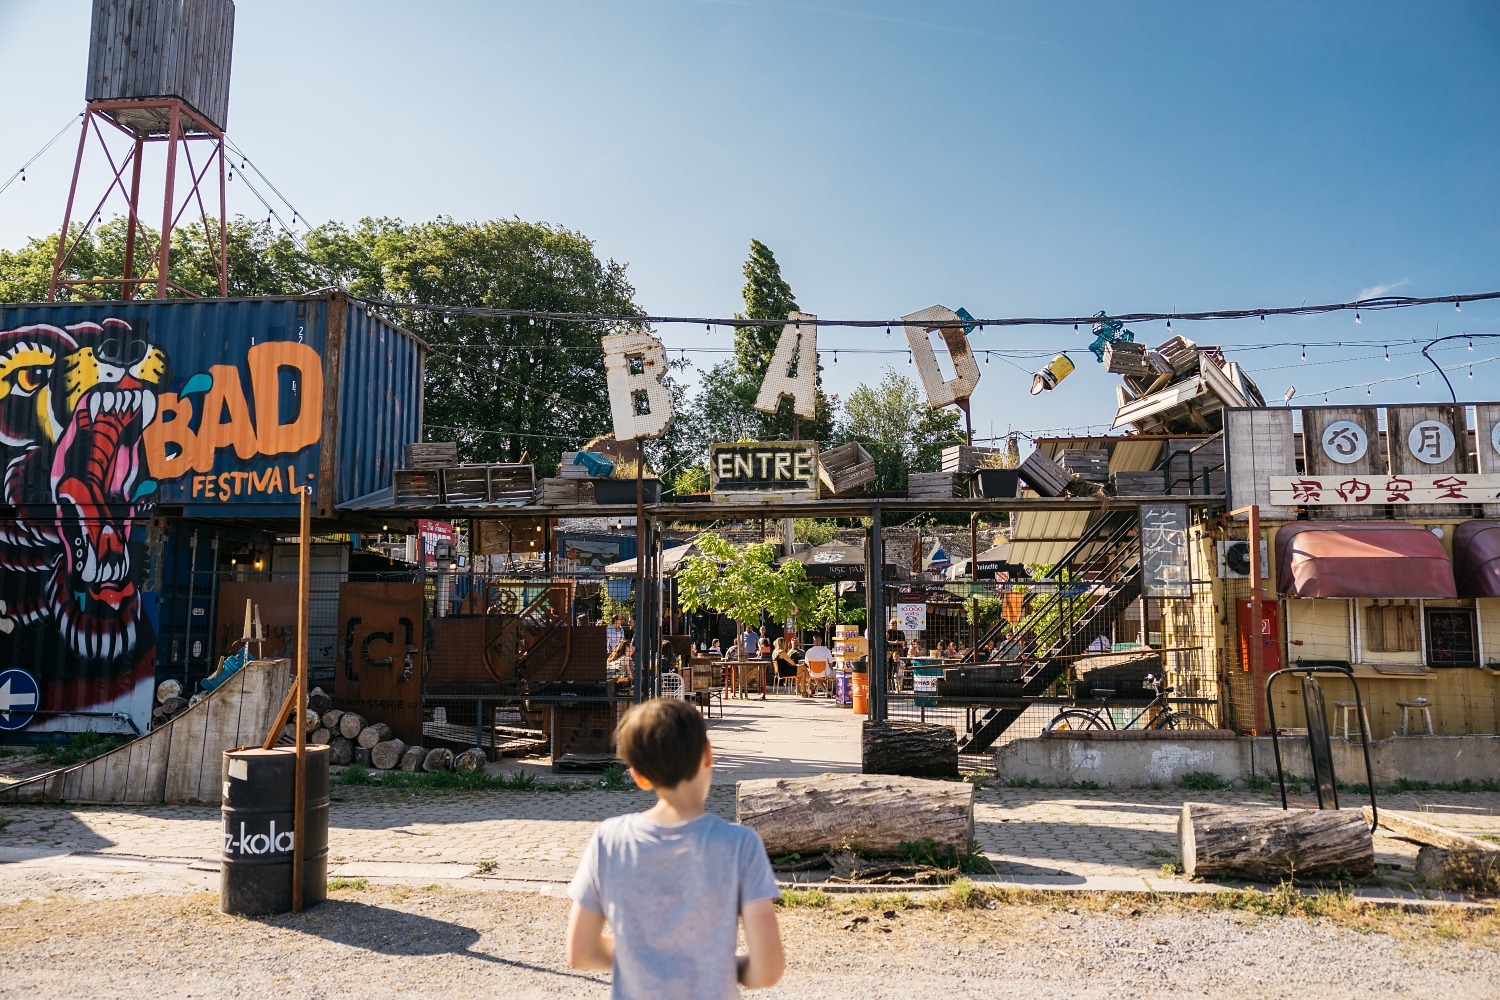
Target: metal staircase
(1087,591)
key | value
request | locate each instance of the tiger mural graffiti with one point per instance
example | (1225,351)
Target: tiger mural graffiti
(74,404)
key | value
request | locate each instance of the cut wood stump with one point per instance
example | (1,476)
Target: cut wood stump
(340,751)
(319,735)
(915,749)
(331,718)
(440,759)
(375,732)
(319,700)
(411,760)
(387,754)
(350,724)
(1269,845)
(310,720)
(362,756)
(469,761)
(856,812)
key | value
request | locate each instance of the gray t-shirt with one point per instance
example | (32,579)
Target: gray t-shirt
(672,896)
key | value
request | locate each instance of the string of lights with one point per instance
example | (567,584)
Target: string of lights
(709,322)
(1413,376)
(21,173)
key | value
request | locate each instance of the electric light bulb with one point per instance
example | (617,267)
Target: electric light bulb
(908,359)
(1388,355)
(1471,343)
(1357,320)
(835,357)
(1262,319)
(1304,352)
(1458,306)
(1169,326)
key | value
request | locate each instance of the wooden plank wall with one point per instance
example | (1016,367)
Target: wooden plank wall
(1261,445)
(163,48)
(1399,421)
(1487,425)
(1317,419)
(178,762)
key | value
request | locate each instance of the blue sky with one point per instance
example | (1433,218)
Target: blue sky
(1013,159)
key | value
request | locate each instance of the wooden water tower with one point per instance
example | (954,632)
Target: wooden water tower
(158,75)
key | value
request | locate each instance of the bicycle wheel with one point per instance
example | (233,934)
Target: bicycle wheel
(1185,720)
(1074,719)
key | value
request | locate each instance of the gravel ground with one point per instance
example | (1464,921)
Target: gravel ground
(442,943)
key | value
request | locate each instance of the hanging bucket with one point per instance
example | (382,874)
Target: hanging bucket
(1057,369)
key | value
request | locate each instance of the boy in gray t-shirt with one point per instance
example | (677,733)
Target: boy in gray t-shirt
(673,882)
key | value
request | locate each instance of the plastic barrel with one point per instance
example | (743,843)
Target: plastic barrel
(259,795)
(859,692)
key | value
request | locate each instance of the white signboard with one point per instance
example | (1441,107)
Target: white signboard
(1345,442)
(1431,441)
(1382,488)
(913,617)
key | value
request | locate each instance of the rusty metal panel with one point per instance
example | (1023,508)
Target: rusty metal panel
(380,662)
(277,606)
(484,651)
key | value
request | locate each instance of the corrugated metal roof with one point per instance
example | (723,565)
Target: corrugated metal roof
(1130,455)
(1045,536)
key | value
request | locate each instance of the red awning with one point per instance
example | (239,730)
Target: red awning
(1476,558)
(1361,559)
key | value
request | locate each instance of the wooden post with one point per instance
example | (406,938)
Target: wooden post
(304,590)
(875,618)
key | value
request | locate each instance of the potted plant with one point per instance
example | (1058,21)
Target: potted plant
(619,488)
(997,477)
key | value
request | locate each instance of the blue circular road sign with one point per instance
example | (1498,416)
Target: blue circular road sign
(20,696)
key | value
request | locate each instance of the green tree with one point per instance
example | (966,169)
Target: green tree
(899,430)
(743,581)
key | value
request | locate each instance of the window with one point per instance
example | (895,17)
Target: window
(1451,638)
(1392,628)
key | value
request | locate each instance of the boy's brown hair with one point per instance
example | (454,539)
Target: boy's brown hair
(663,741)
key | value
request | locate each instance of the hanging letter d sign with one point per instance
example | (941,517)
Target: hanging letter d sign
(965,369)
(634,364)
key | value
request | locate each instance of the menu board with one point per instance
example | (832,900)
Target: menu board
(1451,640)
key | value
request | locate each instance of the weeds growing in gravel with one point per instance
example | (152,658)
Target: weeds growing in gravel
(925,852)
(355,884)
(1085,786)
(1202,781)
(615,779)
(455,781)
(803,899)
(1023,783)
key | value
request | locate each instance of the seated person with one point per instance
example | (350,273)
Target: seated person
(713,648)
(621,661)
(763,651)
(782,664)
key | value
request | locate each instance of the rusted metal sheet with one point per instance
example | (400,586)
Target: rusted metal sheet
(476,651)
(276,603)
(380,664)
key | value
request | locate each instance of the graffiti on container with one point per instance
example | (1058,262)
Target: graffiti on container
(88,433)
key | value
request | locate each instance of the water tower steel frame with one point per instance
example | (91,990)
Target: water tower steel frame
(180,126)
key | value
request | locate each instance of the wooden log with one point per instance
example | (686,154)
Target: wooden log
(1270,845)
(375,732)
(310,720)
(362,756)
(387,754)
(440,759)
(915,749)
(319,700)
(169,708)
(331,718)
(319,735)
(341,751)
(865,813)
(411,759)
(469,761)
(1418,831)
(350,725)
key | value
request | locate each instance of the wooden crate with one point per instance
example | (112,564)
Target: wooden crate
(1088,464)
(565,491)
(471,484)
(846,468)
(966,460)
(567,470)
(418,487)
(1043,475)
(1140,484)
(431,454)
(1123,357)
(582,729)
(935,485)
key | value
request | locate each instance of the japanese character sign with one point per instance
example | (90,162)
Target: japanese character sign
(1345,442)
(1431,441)
(1357,491)
(1165,567)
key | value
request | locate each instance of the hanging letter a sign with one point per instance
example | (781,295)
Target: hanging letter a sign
(796,351)
(634,364)
(965,369)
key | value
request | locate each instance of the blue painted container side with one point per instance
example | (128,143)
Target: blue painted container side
(378,412)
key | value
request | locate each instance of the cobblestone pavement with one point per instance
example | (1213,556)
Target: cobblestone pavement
(1114,838)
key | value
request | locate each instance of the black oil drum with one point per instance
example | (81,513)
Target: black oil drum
(259,797)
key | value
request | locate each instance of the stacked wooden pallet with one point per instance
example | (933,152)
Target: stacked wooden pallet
(567,491)
(965,460)
(418,487)
(846,469)
(935,485)
(567,470)
(1088,464)
(1140,484)
(431,454)
(1044,475)
(465,485)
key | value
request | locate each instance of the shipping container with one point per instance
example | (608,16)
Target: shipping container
(119,416)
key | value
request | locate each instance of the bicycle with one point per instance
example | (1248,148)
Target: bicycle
(1165,716)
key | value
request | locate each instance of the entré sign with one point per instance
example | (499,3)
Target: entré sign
(759,470)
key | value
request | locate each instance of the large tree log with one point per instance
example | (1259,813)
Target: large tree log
(915,749)
(310,720)
(1269,845)
(319,735)
(411,760)
(362,756)
(375,732)
(341,751)
(350,724)
(319,700)
(387,754)
(874,815)
(470,760)
(331,718)
(440,759)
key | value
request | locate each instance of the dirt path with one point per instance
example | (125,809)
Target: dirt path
(441,943)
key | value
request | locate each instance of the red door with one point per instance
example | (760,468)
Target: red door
(1268,629)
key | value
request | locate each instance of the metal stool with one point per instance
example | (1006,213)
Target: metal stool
(1346,709)
(1420,705)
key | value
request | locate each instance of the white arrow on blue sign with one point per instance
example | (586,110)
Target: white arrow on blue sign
(19,691)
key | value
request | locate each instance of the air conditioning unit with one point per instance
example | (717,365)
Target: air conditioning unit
(1234,560)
